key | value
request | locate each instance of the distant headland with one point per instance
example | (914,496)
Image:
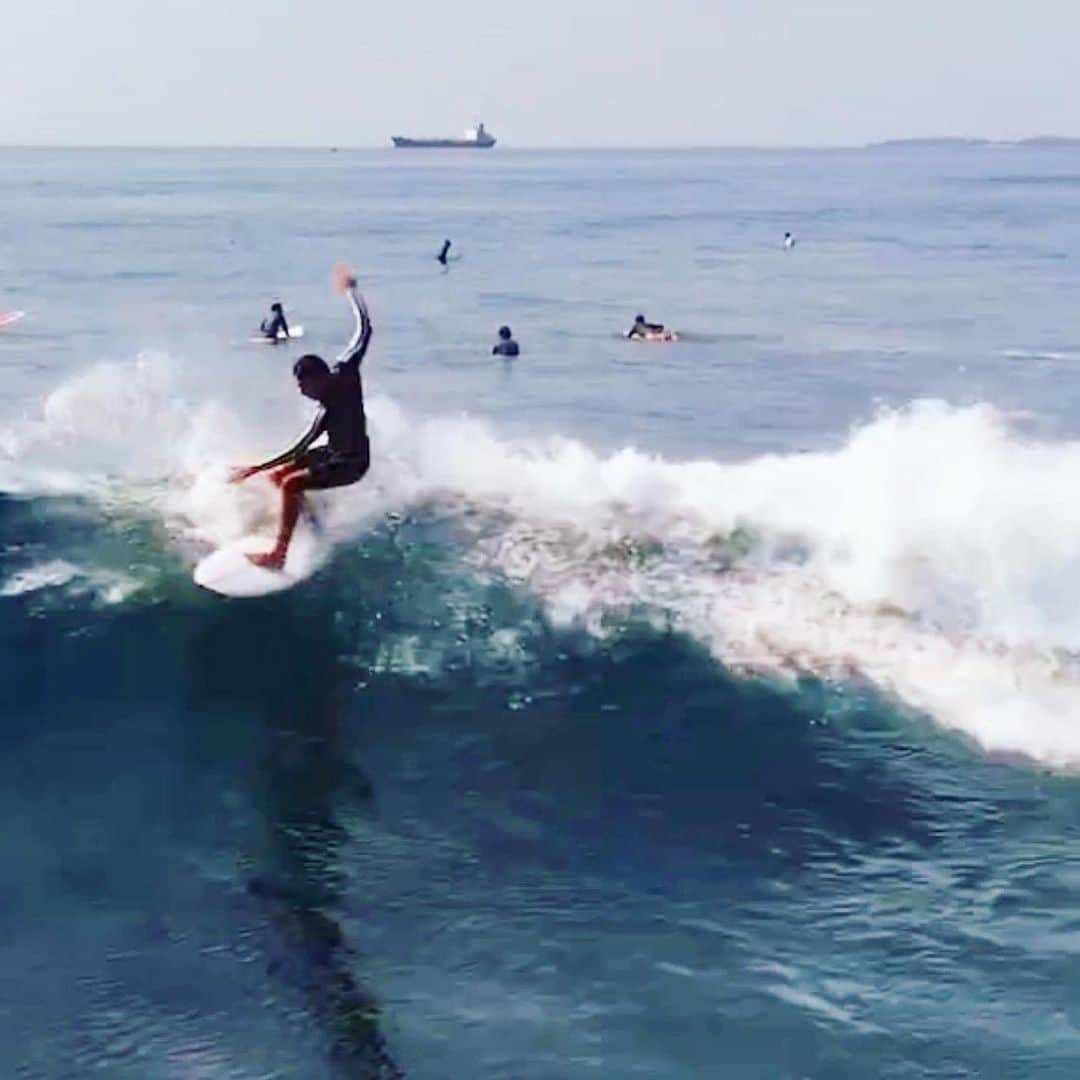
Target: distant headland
(959,141)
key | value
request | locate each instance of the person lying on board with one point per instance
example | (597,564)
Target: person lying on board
(641,328)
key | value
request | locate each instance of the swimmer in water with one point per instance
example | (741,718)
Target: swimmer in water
(507,346)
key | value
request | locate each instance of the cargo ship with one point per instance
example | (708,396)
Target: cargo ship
(476,138)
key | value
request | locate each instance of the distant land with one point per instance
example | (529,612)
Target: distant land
(959,141)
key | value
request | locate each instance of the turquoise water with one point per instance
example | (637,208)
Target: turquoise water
(664,711)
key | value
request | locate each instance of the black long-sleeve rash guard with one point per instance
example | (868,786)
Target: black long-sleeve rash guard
(341,416)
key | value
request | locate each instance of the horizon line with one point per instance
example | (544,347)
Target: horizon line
(944,140)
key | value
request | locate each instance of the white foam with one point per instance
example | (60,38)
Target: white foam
(934,554)
(1038,354)
(106,586)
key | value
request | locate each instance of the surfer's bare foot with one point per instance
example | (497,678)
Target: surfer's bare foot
(271,560)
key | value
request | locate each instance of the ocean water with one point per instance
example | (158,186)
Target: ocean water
(675,711)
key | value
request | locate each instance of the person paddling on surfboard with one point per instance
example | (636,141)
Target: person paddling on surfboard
(275,328)
(347,454)
(641,328)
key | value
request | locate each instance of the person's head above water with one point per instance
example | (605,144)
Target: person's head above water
(504,333)
(639,318)
(312,376)
(276,306)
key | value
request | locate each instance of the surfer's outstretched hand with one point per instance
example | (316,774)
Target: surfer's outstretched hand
(241,473)
(344,278)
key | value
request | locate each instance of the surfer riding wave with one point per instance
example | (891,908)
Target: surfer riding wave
(346,456)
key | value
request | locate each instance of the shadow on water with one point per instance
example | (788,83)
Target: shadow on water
(144,718)
(274,664)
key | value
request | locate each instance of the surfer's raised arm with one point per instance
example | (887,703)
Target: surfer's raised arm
(354,352)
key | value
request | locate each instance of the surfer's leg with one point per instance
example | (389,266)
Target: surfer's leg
(325,470)
(278,475)
(292,486)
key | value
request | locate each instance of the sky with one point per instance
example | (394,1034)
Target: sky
(539,72)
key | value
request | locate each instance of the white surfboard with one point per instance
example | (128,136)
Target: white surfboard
(662,335)
(294,332)
(228,570)
(9,317)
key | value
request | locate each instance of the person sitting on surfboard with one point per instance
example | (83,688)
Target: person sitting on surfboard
(275,328)
(444,255)
(641,328)
(347,454)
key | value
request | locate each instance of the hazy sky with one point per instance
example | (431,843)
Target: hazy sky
(542,72)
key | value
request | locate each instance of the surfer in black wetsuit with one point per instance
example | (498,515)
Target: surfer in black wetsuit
(347,454)
(275,328)
(641,328)
(444,255)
